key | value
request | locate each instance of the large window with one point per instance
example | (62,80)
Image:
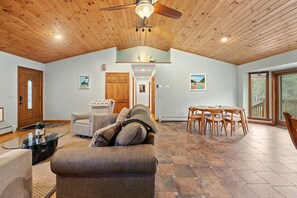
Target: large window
(286,95)
(258,95)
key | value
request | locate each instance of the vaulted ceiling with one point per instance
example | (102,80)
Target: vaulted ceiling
(256,28)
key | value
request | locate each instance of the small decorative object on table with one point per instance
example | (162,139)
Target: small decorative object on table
(39,129)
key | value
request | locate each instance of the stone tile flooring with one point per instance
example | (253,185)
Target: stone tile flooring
(261,164)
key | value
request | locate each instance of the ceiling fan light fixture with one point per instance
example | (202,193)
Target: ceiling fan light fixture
(144,9)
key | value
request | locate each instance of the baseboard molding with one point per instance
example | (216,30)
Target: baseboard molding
(57,121)
(172,118)
(260,122)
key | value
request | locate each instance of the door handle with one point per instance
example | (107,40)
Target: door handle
(21,100)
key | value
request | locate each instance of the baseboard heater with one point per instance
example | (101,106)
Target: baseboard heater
(165,118)
(5,128)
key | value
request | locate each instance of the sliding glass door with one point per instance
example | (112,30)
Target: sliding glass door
(258,95)
(286,95)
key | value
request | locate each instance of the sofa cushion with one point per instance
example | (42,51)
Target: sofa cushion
(123,115)
(83,121)
(105,136)
(131,134)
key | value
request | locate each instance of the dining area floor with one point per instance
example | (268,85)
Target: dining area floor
(261,164)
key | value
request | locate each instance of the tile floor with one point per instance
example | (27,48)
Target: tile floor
(261,164)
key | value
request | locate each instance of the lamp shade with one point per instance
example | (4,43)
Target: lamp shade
(144,10)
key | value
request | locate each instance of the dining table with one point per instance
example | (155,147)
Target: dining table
(205,109)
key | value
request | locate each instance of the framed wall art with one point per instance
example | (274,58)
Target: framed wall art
(1,114)
(198,82)
(84,82)
(142,88)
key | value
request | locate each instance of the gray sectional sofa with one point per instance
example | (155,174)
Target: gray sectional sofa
(111,171)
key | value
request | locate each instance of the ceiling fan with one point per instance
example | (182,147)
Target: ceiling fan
(144,9)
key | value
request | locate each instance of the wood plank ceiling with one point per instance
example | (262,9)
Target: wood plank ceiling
(257,28)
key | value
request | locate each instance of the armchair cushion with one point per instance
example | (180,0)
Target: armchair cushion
(82,121)
(78,116)
(131,134)
(105,136)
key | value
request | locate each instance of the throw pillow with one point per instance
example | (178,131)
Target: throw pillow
(123,114)
(131,134)
(105,136)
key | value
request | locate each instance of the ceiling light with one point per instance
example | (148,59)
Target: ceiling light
(144,9)
(143,70)
(58,36)
(224,39)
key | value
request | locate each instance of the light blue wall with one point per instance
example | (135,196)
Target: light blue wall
(8,83)
(221,84)
(62,95)
(131,54)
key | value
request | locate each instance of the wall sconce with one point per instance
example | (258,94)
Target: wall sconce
(103,67)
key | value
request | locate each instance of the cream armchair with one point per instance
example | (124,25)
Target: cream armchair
(85,124)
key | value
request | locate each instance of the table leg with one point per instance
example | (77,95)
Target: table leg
(246,121)
(202,123)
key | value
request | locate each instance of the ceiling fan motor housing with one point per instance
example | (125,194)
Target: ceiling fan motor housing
(144,1)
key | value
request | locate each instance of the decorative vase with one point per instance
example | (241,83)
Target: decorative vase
(39,132)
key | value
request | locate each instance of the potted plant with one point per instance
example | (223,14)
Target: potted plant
(39,126)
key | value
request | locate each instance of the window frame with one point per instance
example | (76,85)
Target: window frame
(276,94)
(266,99)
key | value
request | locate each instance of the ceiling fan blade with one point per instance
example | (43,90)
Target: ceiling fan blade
(141,22)
(118,7)
(166,11)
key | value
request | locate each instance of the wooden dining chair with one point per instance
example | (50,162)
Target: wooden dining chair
(292,127)
(216,121)
(233,117)
(193,116)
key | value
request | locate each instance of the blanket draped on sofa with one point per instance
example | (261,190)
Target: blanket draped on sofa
(141,114)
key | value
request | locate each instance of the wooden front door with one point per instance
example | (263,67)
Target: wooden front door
(117,88)
(29,96)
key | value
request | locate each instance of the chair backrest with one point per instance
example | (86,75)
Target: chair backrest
(292,127)
(192,111)
(232,111)
(106,106)
(215,112)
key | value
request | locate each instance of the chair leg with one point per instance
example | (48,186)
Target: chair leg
(231,128)
(224,124)
(212,128)
(205,125)
(244,133)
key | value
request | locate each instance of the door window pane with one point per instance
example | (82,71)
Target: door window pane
(288,95)
(29,94)
(258,88)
